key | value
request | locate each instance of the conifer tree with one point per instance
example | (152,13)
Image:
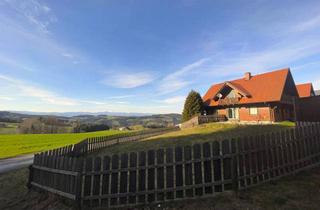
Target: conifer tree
(192,106)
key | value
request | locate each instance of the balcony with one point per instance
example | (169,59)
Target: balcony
(228,101)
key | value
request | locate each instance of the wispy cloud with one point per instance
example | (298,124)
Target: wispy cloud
(311,23)
(316,85)
(122,96)
(24,89)
(37,13)
(67,55)
(128,80)
(174,100)
(14,63)
(6,98)
(179,79)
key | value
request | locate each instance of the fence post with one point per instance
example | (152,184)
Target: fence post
(30,176)
(235,163)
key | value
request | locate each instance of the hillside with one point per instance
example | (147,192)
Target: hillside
(119,121)
(200,134)
(157,120)
(19,144)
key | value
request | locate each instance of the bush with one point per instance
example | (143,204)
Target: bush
(90,128)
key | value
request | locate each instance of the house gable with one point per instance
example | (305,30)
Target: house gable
(230,90)
(305,90)
(262,88)
(289,89)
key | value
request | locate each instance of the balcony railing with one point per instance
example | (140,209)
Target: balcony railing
(228,101)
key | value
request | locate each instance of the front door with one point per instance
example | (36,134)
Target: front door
(233,113)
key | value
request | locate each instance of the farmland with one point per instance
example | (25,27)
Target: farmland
(18,144)
(8,128)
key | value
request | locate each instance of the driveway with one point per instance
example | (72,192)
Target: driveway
(10,164)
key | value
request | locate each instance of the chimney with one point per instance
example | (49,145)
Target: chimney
(247,76)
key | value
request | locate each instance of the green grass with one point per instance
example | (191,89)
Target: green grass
(11,128)
(13,145)
(199,134)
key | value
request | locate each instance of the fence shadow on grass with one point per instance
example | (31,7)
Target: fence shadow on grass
(175,173)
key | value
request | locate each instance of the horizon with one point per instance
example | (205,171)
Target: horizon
(72,114)
(145,57)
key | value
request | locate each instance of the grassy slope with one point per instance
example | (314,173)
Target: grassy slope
(300,191)
(202,133)
(13,145)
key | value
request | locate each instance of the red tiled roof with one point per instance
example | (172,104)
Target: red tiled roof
(305,90)
(267,87)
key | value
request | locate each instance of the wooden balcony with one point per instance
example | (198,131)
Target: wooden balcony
(228,101)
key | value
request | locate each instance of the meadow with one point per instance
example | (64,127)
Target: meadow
(9,128)
(19,144)
(200,134)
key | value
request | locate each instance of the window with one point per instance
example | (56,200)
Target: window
(253,110)
(232,94)
(233,113)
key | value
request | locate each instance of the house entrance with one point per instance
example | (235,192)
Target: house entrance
(233,113)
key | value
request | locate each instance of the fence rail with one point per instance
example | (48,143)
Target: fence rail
(59,170)
(170,174)
(201,119)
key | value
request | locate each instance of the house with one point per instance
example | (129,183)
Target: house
(270,97)
(305,90)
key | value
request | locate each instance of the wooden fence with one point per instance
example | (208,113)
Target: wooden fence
(201,119)
(59,170)
(96,143)
(171,174)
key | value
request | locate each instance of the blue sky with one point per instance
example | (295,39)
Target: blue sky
(145,56)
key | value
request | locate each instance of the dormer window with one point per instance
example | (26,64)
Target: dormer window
(231,91)
(232,94)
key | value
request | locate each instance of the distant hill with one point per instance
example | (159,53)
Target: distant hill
(154,120)
(120,121)
(72,114)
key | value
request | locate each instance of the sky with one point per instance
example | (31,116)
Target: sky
(145,56)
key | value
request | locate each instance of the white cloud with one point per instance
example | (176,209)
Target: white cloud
(14,63)
(6,98)
(311,23)
(316,85)
(174,100)
(37,13)
(178,80)
(67,55)
(27,90)
(122,96)
(128,80)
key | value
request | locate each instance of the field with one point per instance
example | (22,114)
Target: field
(300,191)
(199,134)
(18,144)
(10,128)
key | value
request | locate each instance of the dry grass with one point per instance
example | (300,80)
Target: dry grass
(199,134)
(296,192)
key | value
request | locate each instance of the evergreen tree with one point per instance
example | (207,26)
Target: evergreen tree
(192,106)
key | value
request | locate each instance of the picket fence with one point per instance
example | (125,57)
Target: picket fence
(177,173)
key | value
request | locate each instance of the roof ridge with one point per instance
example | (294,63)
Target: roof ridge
(307,83)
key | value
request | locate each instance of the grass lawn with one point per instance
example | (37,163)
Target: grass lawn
(199,134)
(300,191)
(18,144)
